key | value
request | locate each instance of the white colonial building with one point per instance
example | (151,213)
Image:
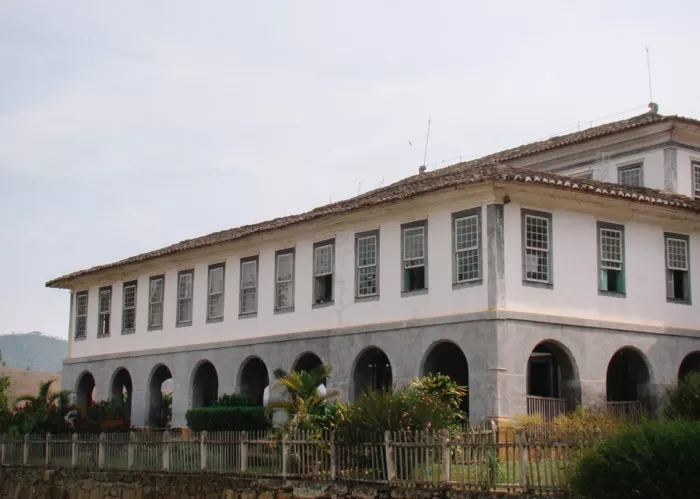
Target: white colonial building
(553,274)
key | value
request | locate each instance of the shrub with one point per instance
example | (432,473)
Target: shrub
(233,400)
(683,400)
(444,388)
(227,419)
(655,460)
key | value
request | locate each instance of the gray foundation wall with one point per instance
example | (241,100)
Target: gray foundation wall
(496,349)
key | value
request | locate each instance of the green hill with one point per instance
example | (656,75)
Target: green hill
(34,351)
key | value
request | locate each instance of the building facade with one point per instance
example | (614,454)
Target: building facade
(546,276)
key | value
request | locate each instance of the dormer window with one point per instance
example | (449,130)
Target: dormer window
(630,175)
(696,179)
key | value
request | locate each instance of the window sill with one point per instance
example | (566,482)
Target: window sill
(467,284)
(214,320)
(359,299)
(249,315)
(323,304)
(155,328)
(537,284)
(79,338)
(288,310)
(128,331)
(678,301)
(100,336)
(183,324)
(415,292)
(613,294)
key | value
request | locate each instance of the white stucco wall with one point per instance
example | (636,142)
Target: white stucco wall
(575,273)
(441,299)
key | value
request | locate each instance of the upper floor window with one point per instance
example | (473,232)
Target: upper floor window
(413,244)
(185,287)
(284,280)
(129,307)
(537,246)
(630,175)
(611,256)
(696,179)
(155,302)
(587,175)
(466,235)
(323,272)
(81,306)
(367,264)
(249,286)
(677,268)
(215,292)
(103,311)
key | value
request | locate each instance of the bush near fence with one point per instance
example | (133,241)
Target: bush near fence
(227,419)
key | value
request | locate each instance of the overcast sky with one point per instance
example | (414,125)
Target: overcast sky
(126,126)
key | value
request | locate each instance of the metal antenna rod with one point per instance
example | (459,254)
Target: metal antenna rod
(427,138)
(649,74)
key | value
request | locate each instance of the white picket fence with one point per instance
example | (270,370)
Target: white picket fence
(474,458)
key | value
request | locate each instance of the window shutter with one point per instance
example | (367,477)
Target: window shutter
(669,284)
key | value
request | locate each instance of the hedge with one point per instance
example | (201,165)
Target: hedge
(655,460)
(227,419)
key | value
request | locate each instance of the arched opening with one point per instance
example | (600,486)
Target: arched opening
(307,362)
(690,364)
(160,401)
(253,380)
(448,359)
(553,385)
(372,371)
(122,388)
(205,385)
(628,382)
(84,391)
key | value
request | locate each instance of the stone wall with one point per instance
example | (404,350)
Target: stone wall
(26,483)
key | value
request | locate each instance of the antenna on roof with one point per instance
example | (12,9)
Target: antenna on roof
(653,107)
(422,167)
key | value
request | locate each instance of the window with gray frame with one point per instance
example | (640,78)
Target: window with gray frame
(413,246)
(466,227)
(367,264)
(587,175)
(537,246)
(155,302)
(81,307)
(630,175)
(677,267)
(185,297)
(611,257)
(696,179)
(284,280)
(103,310)
(215,292)
(249,286)
(129,307)
(323,272)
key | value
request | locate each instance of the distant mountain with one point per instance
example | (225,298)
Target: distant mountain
(34,351)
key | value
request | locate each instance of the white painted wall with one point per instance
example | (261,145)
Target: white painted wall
(652,166)
(575,273)
(441,300)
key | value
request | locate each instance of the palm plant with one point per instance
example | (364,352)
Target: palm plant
(307,404)
(41,406)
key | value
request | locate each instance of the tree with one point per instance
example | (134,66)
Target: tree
(307,405)
(40,408)
(4,385)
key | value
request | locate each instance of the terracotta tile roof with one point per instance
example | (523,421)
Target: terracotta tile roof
(486,169)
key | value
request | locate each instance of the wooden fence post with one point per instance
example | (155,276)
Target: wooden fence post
(101,451)
(130,451)
(74,450)
(285,456)
(25,449)
(446,457)
(166,451)
(203,450)
(334,464)
(47,458)
(390,470)
(523,460)
(244,451)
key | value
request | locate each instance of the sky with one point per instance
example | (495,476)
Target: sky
(127,126)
